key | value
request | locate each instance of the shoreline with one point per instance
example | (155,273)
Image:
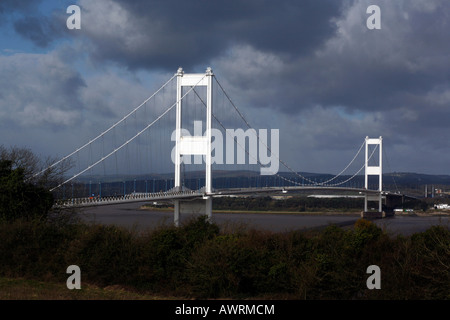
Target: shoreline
(170,209)
(308,213)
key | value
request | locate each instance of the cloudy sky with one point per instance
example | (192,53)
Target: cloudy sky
(310,68)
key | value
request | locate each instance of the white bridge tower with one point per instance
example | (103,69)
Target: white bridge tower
(375,170)
(193,145)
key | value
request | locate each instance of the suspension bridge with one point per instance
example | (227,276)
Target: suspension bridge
(179,142)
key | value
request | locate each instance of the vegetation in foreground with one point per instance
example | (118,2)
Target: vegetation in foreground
(198,260)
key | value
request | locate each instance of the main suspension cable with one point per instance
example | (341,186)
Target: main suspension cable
(281,161)
(129,140)
(104,132)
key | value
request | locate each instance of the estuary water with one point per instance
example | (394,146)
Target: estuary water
(131,216)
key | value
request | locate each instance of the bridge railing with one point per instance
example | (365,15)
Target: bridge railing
(75,202)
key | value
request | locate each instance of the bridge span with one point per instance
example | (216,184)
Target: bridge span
(174,194)
(201,145)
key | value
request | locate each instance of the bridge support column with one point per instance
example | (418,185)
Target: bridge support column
(192,208)
(208,208)
(176,213)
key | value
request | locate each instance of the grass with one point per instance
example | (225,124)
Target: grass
(29,289)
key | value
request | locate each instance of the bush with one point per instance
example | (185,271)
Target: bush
(431,272)
(106,254)
(364,233)
(34,248)
(166,253)
(223,267)
(197,231)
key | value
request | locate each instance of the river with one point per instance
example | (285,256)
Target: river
(131,216)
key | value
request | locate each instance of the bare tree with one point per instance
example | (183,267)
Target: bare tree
(36,171)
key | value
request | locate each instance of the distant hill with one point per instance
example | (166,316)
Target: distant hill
(413,184)
(418,178)
(407,179)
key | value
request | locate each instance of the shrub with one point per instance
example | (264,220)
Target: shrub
(364,232)
(105,254)
(166,253)
(223,267)
(431,271)
(197,231)
(34,248)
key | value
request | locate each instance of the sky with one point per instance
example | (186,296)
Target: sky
(312,69)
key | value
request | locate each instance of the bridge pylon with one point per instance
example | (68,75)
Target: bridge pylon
(373,170)
(193,145)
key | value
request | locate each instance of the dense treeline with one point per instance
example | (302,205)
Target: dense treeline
(198,260)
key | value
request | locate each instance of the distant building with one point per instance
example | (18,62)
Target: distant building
(403,210)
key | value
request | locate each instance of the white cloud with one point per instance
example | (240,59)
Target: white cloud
(33,115)
(35,86)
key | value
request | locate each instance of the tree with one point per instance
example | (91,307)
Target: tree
(19,199)
(24,184)
(33,167)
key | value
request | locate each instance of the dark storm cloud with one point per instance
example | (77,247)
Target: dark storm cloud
(310,68)
(375,70)
(31,24)
(172,33)
(41,30)
(392,82)
(361,69)
(277,26)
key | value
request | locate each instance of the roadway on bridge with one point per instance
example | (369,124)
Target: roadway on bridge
(129,215)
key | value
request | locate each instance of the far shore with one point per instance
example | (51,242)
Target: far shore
(431,213)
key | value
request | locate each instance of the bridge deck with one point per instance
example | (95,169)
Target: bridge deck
(190,194)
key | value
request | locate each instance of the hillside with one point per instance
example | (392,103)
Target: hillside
(406,182)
